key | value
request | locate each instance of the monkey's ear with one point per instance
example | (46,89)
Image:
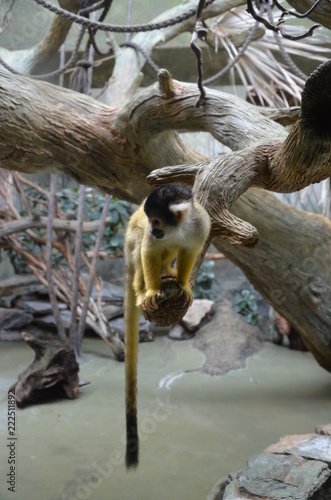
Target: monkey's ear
(180,210)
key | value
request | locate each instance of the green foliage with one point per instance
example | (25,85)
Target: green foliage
(119,211)
(245,304)
(67,203)
(206,282)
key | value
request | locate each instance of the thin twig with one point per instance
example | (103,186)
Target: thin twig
(278,26)
(51,287)
(81,326)
(77,264)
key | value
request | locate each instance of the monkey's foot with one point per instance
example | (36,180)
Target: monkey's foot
(188,295)
(171,305)
(150,302)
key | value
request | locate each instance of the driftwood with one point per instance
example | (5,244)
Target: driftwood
(53,373)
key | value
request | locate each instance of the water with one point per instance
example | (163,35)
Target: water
(194,428)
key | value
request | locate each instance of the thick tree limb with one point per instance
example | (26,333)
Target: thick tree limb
(297,279)
(34,59)
(115,150)
(65,132)
(123,83)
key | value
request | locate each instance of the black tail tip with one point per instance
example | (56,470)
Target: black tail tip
(131,459)
(132,440)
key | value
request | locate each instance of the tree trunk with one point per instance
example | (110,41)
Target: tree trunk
(44,128)
(290,266)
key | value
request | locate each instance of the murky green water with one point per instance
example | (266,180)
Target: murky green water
(195,428)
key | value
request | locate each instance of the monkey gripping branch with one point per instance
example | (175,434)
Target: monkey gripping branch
(45,128)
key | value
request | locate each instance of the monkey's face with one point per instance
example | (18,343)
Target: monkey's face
(156,228)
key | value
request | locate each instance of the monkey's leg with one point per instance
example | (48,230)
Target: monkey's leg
(132,314)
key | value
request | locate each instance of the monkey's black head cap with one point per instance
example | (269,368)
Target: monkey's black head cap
(158,201)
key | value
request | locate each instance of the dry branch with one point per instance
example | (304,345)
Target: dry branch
(35,221)
(61,278)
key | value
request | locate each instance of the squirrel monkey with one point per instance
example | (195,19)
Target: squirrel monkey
(170,224)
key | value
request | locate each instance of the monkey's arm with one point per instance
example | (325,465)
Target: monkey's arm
(185,262)
(151,262)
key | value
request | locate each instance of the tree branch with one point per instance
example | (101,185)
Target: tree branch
(34,58)
(35,221)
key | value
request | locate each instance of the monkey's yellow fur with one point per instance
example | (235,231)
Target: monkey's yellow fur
(147,259)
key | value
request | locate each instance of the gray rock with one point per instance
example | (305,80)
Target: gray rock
(278,477)
(226,341)
(200,311)
(39,307)
(10,335)
(11,318)
(49,321)
(109,293)
(145,332)
(178,332)
(313,446)
(112,310)
(323,429)
(20,284)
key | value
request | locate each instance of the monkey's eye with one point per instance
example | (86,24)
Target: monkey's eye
(155,222)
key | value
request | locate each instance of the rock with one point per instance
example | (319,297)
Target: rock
(227,341)
(49,320)
(278,477)
(286,443)
(112,311)
(10,335)
(145,332)
(36,331)
(12,319)
(178,332)
(39,307)
(312,446)
(323,429)
(200,311)
(109,293)
(20,284)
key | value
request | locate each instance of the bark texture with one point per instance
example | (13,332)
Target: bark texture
(44,128)
(290,266)
(53,372)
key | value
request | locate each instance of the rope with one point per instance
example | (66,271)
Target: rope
(285,55)
(116,28)
(240,53)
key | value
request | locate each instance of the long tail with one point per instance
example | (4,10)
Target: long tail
(132,314)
